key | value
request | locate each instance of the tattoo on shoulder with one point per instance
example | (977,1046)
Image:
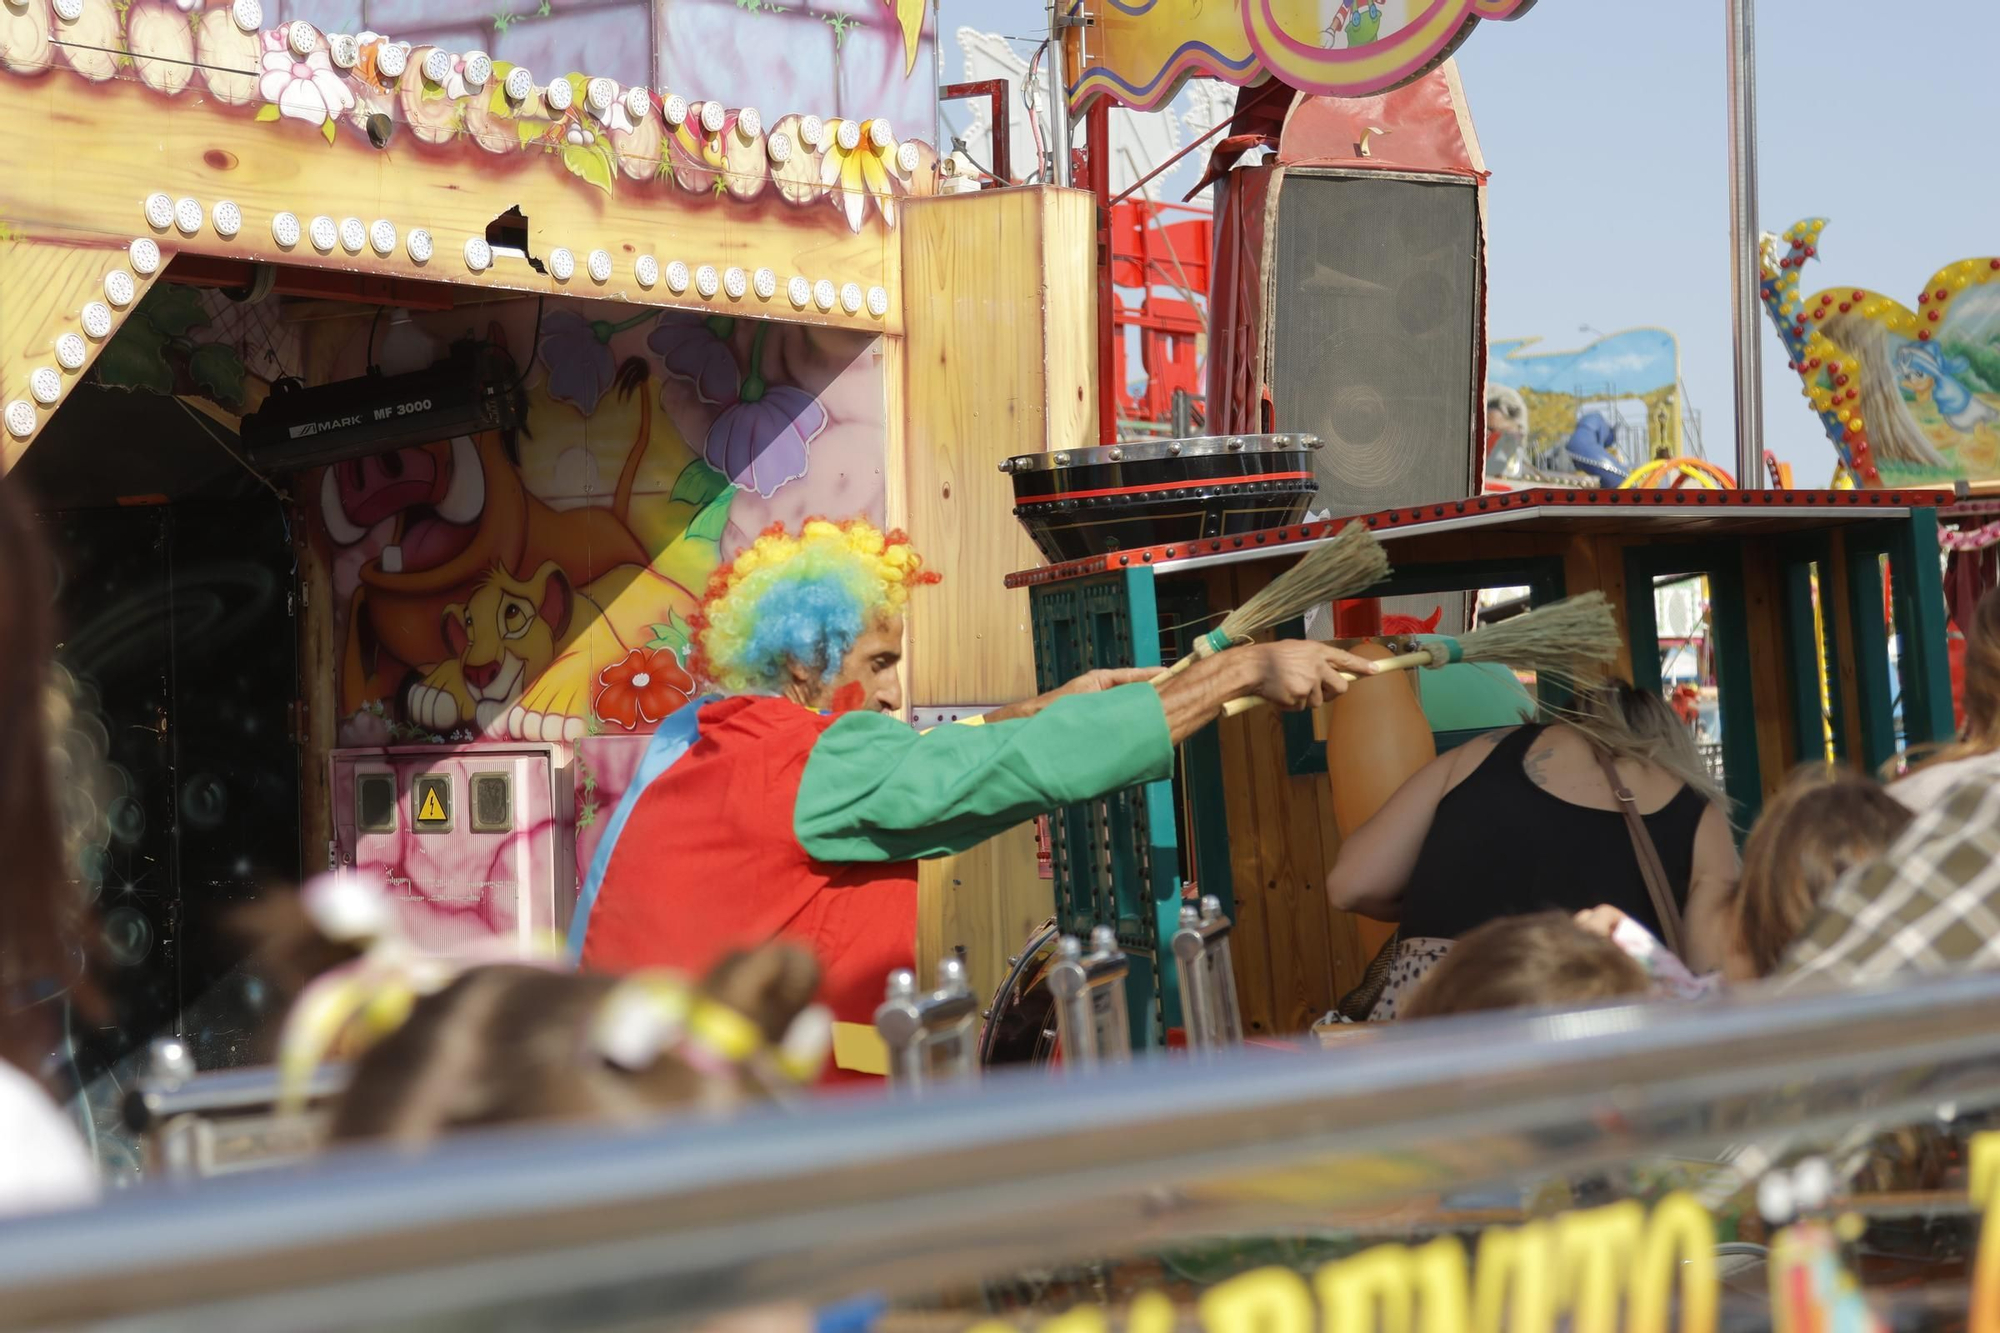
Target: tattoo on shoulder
(1536,764)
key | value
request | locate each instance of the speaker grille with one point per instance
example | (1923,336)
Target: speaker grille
(1376,291)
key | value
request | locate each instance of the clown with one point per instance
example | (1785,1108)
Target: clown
(796,805)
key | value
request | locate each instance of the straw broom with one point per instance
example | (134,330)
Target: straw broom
(1564,642)
(1351,562)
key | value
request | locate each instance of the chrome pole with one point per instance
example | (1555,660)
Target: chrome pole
(1743,267)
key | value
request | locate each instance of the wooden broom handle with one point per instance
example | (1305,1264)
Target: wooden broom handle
(1420,658)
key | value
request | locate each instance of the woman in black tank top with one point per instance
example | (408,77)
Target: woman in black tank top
(1565,857)
(1525,822)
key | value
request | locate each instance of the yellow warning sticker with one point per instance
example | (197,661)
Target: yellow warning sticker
(433,801)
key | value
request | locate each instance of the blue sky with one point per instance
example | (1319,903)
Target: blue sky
(1604,123)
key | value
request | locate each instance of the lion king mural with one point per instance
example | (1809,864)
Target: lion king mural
(536,584)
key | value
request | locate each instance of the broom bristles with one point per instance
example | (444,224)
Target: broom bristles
(1352,562)
(1567,642)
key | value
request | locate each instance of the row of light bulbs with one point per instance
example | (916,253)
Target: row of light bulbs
(352,235)
(45,383)
(187,216)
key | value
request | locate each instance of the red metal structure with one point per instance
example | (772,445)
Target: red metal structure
(1158,248)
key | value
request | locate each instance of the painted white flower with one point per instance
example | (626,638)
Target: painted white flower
(308,89)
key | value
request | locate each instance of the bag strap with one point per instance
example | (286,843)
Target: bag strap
(1650,868)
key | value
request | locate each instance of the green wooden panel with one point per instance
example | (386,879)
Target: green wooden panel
(1730,622)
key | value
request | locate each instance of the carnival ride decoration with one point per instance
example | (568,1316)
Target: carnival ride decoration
(1588,415)
(1674,473)
(1907,397)
(296,138)
(1139,56)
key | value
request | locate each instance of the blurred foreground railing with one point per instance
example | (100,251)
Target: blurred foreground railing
(601,1230)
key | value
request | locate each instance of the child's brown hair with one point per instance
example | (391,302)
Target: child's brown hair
(1823,821)
(512,1044)
(1540,961)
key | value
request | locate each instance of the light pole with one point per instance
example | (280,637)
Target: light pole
(1743,265)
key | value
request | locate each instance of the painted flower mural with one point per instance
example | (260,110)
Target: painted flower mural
(762,439)
(643,689)
(576,352)
(303,88)
(856,170)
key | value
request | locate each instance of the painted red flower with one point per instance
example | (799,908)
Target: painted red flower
(645,687)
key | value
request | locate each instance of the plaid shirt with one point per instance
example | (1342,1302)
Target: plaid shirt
(1929,904)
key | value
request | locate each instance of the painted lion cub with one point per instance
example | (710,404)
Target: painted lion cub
(528,641)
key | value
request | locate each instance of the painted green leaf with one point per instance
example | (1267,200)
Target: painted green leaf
(697,484)
(328,129)
(171,310)
(590,162)
(496,99)
(136,358)
(579,88)
(268,111)
(673,636)
(218,368)
(530,130)
(713,520)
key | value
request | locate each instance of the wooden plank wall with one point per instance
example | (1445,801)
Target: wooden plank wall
(998,359)
(1295,955)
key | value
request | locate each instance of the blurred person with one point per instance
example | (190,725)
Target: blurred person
(1822,823)
(1542,961)
(42,1161)
(1928,905)
(1975,755)
(1526,820)
(797,805)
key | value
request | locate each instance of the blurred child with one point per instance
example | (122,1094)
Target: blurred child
(1545,960)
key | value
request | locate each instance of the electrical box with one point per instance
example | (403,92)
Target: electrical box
(477,835)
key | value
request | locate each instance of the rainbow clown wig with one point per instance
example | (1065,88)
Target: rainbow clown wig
(802,600)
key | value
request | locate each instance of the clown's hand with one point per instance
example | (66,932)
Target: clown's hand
(1090,682)
(1109,678)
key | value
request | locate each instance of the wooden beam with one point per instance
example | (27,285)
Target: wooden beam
(314,284)
(45,282)
(138,143)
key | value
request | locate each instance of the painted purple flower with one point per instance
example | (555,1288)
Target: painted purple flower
(696,348)
(577,354)
(763,440)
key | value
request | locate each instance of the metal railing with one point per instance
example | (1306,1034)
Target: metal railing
(598,1229)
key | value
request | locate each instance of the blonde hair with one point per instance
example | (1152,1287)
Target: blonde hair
(1631,723)
(1518,962)
(1822,822)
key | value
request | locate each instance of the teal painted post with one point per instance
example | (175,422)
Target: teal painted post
(1153,993)
(1920,625)
(1874,699)
(1740,773)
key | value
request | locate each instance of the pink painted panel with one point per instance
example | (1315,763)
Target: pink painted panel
(604,769)
(513,882)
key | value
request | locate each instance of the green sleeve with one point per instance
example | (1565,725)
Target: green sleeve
(874,789)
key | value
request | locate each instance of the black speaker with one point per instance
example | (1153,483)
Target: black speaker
(1375,311)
